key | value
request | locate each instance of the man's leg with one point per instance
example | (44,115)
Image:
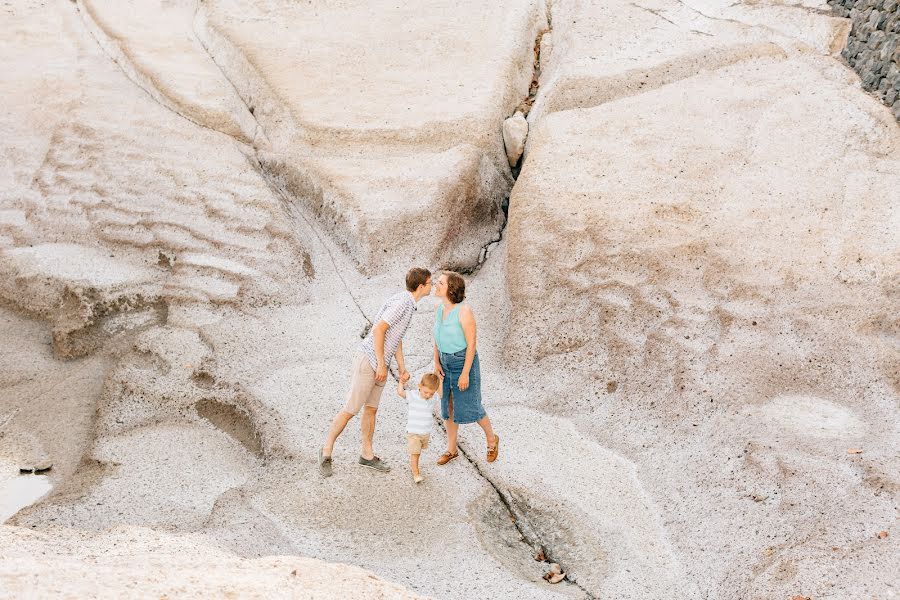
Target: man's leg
(367,428)
(359,393)
(337,427)
(370,411)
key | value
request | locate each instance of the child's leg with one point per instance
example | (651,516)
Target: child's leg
(414,463)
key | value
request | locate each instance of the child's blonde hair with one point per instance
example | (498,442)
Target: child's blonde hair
(431,381)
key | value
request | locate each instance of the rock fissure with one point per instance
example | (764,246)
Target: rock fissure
(655,13)
(534,87)
(529,534)
(295,210)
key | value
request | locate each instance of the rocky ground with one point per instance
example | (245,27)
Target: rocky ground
(688,321)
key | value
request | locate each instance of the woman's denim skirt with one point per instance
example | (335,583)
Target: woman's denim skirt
(467,406)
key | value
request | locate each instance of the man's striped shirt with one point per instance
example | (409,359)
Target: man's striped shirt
(397,312)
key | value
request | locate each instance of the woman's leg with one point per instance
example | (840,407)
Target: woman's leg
(452,428)
(485,424)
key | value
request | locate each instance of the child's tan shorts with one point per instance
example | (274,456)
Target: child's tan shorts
(417,442)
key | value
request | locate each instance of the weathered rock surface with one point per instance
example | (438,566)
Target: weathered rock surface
(688,323)
(685,279)
(643,45)
(153,43)
(131,562)
(384,118)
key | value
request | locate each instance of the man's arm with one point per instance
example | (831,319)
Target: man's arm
(437,362)
(378,333)
(401,364)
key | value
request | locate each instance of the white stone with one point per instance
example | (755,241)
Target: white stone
(515,131)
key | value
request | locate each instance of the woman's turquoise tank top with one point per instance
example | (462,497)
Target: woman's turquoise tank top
(448,333)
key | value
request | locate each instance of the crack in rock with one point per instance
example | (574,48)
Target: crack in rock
(529,534)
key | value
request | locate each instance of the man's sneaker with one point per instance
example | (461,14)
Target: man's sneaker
(324,464)
(376,463)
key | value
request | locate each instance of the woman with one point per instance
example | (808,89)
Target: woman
(456,360)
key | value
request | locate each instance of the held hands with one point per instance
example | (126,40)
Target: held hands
(381,372)
(464,381)
(404,376)
(438,370)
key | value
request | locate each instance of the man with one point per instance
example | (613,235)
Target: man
(370,368)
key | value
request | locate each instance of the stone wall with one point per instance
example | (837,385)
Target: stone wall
(874,45)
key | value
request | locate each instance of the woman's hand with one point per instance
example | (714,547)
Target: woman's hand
(438,370)
(464,381)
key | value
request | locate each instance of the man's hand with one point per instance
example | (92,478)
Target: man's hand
(381,373)
(464,381)
(404,375)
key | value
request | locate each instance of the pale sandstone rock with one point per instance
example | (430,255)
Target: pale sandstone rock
(153,42)
(369,108)
(111,191)
(134,562)
(809,21)
(607,49)
(201,412)
(709,264)
(515,130)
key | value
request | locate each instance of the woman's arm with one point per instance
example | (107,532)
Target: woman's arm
(467,320)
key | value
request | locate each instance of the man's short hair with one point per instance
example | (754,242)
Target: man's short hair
(456,287)
(415,277)
(431,381)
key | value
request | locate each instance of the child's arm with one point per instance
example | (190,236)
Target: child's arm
(401,390)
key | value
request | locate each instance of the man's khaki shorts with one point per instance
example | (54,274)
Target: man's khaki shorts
(416,442)
(364,390)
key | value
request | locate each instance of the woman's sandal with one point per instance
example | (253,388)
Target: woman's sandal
(494,450)
(446,457)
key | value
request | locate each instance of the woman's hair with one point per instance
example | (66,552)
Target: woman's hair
(456,287)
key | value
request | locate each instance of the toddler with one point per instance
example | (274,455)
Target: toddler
(418,424)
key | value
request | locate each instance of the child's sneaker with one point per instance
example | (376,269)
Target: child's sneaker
(418,478)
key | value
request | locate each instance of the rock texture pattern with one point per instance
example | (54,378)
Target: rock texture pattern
(688,329)
(874,46)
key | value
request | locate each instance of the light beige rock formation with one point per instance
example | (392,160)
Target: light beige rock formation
(384,117)
(154,44)
(643,45)
(688,322)
(689,263)
(135,562)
